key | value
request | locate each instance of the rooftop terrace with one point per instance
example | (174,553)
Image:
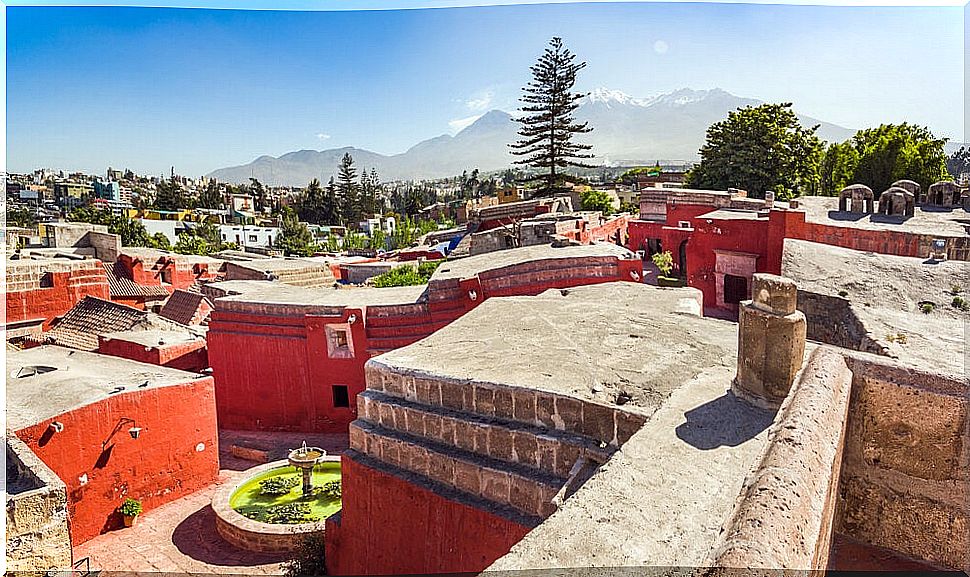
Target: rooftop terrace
(473,265)
(926,220)
(46,381)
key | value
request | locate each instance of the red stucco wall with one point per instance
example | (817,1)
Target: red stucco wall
(274,372)
(163,464)
(396,527)
(190,356)
(68,288)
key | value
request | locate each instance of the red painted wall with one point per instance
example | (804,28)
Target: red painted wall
(396,527)
(181,274)
(162,465)
(190,356)
(68,288)
(273,371)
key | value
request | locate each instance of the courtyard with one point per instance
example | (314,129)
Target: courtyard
(181,537)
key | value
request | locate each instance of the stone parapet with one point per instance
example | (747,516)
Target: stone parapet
(786,512)
(771,341)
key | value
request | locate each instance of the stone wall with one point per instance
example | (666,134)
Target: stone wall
(502,455)
(37,531)
(786,512)
(905,481)
(831,320)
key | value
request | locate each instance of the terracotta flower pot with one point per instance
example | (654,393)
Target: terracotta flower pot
(130,520)
(665,281)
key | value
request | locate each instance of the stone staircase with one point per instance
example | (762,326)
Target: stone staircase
(513,448)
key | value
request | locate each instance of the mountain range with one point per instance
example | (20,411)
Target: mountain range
(626,131)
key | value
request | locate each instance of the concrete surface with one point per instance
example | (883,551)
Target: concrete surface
(825,210)
(470,266)
(80,378)
(884,292)
(599,342)
(278,293)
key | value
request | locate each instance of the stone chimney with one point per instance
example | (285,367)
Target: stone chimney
(771,341)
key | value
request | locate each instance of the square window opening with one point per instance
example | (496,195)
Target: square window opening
(341,396)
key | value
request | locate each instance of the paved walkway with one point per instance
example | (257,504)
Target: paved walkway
(181,536)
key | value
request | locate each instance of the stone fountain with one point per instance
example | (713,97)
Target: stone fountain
(305,458)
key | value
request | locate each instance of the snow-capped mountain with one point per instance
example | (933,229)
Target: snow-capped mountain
(626,130)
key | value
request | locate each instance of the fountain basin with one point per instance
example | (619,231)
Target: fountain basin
(253,535)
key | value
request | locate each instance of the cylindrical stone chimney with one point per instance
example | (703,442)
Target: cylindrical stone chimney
(771,341)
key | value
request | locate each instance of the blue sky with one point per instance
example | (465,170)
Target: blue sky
(148,88)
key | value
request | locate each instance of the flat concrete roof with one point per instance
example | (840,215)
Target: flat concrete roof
(732,214)
(158,337)
(592,342)
(885,292)
(662,498)
(240,286)
(80,378)
(470,266)
(278,293)
(275,264)
(154,254)
(926,220)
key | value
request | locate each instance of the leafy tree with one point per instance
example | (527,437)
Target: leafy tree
(759,148)
(958,162)
(258,191)
(203,239)
(295,238)
(548,126)
(597,200)
(160,241)
(898,151)
(838,168)
(169,195)
(21,217)
(407,275)
(316,205)
(631,176)
(348,190)
(210,197)
(309,559)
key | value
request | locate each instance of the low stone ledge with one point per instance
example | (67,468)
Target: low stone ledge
(250,535)
(249,453)
(785,514)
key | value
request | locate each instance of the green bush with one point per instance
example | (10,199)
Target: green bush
(130,507)
(927,308)
(407,275)
(277,485)
(288,514)
(664,261)
(960,303)
(331,490)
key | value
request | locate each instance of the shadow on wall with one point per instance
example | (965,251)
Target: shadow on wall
(724,421)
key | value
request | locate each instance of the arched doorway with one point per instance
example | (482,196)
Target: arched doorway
(682,259)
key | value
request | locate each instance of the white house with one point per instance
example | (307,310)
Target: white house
(247,235)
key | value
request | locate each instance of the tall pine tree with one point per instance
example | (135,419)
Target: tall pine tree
(348,190)
(548,126)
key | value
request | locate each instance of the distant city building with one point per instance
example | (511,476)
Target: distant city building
(249,236)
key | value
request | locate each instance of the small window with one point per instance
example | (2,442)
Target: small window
(735,289)
(339,341)
(252,238)
(341,397)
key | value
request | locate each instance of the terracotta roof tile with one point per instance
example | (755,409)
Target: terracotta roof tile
(123,286)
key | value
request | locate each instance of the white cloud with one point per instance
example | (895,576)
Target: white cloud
(660,47)
(459,124)
(323,136)
(480,102)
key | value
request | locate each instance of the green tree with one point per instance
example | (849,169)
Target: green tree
(760,148)
(597,200)
(959,162)
(348,190)
(210,197)
(837,168)
(21,217)
(169,195)
(898,151)
(547,126)
(258,191)
(295,238)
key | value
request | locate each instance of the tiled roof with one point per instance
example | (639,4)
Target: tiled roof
(123,286)
(183,306)
(79,327)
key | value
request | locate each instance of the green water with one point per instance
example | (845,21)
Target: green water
(247,497)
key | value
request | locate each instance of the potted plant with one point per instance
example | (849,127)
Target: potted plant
(665,262)
(130,509)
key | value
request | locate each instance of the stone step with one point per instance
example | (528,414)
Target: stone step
(525,490)
(518,444)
